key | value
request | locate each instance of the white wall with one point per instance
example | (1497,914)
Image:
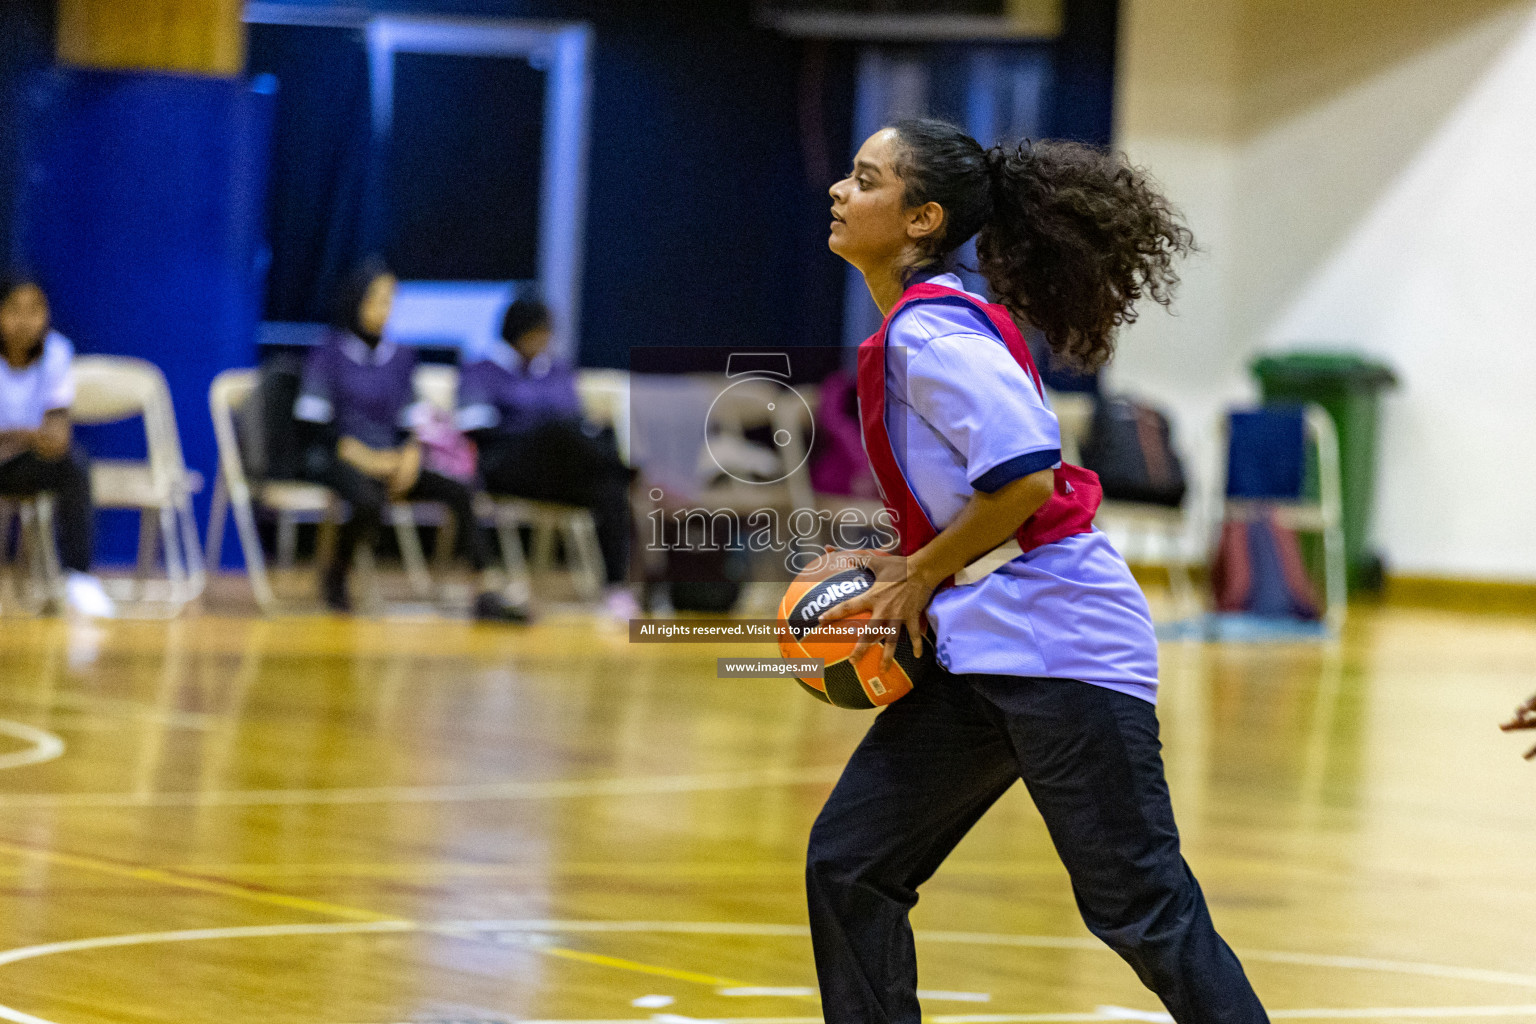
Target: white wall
(1365,176)
(1176,107)
(1439,278)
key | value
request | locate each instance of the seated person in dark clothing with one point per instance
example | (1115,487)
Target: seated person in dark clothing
(37,449)
(355,397)
(520,406)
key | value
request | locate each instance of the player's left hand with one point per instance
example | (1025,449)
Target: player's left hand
(1525,718)
(898,595)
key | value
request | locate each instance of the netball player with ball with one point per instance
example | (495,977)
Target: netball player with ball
(1047,663)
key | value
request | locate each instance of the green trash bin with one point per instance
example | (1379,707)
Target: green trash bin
(1349,387)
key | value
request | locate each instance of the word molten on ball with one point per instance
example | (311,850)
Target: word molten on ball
(847,684)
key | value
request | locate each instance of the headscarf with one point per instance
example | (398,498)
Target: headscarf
(346,304)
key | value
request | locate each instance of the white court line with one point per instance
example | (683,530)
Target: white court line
(45,745)
(459,928)
(1116,1013)
(11,956)
(553,789)
(1422,970)
(1407,1013)
(805,991)
(1035,1018)
(1097,1017)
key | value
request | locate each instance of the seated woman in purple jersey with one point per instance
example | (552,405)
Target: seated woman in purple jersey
(37,449)
(520,406)
(356,397)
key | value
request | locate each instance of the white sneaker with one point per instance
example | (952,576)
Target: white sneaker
(85,596)
(620,604)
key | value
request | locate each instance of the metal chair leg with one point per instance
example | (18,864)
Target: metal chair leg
(255,560)
(516,566)
(326,534)
(287,539)
(52,579)
(35,549)
(410,551)
(585,555)
(148,549)
(218,511)
(192,548)
(543,544)
(367,567)
(7,514)
(447,540)
(179,579)
(1335,578)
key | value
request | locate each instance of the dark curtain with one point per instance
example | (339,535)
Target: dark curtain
(1083,98)
(465,154)
(26,44)
(318,209)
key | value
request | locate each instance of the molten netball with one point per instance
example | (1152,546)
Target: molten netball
(846,683)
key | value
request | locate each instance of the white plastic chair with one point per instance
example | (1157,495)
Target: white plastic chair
(159,487)
(1323,516)
(604,397)
(1153,534)
(293,501)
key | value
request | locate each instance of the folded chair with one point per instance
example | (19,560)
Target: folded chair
(1265,468)
(109,389)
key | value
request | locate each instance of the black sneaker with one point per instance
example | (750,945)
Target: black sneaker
(492,607)
(333,590)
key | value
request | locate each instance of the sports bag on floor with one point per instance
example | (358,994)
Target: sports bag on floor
(1130,446)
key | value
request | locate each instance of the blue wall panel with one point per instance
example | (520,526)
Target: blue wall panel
(142,210)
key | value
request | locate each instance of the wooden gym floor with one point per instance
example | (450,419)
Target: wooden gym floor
(317,821)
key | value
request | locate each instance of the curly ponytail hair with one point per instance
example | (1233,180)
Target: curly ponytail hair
(1071,237)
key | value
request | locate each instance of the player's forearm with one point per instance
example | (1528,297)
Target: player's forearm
(986,521)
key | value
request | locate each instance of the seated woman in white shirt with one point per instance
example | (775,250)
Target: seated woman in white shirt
(37,449)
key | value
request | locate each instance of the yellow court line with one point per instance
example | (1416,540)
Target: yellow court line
(236,891)
(549,789)
(680,870)
(214,887)
(472,869)
(640,968)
